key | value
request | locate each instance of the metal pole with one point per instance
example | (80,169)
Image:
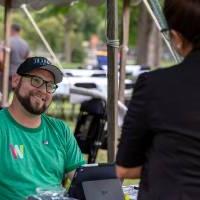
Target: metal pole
(24,8)
(112,36)
(164,36)
(6,52)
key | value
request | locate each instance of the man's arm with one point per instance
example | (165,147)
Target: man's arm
(70,175)
(73,156)
(123,172)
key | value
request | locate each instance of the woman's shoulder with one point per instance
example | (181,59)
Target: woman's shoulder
(165,70)
(161,73)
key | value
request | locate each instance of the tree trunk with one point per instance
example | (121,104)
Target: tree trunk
(67,47)
(124,49)
(144,28)
(155,48)
(67,41)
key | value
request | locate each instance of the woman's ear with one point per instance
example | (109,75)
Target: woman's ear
(177,40)
(181,45)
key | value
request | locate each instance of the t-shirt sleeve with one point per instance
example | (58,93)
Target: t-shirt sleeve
(135,137)
(74,157)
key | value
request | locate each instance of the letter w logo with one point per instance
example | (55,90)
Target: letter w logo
(17,151)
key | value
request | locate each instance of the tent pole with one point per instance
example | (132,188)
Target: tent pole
(163,34)
(6,52)
(112,46)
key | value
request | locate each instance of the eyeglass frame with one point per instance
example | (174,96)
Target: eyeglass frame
(31,76)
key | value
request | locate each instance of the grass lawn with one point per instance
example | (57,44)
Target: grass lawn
(71,65)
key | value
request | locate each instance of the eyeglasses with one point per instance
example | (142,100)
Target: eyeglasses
(37,82)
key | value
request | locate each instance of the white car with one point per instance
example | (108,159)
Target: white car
(90,82)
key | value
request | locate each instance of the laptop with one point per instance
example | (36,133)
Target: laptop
(108,189)
(90,172)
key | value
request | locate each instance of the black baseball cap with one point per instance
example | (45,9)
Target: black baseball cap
(32,63)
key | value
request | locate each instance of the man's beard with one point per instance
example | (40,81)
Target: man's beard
(27,104)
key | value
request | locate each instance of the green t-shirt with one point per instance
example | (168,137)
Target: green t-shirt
(34,157)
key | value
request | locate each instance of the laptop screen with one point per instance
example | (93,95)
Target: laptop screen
(108,189)
(90,173)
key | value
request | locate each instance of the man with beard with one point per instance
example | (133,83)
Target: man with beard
(35,150)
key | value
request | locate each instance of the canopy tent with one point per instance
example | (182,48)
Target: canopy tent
(112,43)
(112,24)
(38,4)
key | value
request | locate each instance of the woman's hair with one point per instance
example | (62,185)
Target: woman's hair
(184,17)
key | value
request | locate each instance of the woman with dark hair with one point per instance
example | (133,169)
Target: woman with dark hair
(160,141)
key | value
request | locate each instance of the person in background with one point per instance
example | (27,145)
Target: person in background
(19,51)
(36,150)
(160,141)
(19,48)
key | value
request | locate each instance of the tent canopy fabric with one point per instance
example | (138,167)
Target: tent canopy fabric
(38,4)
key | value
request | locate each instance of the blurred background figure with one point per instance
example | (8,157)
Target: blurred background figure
(19,51)
(19,48)
(91,59)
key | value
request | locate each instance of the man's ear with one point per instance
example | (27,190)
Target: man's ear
(15,80)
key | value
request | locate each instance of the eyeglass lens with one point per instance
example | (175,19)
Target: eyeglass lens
(38,82)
